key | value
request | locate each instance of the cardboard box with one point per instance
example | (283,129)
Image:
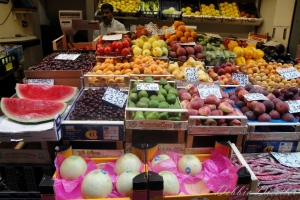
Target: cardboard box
(7,50)
(268,146)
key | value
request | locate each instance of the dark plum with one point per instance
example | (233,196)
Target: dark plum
(288,95)
(249,87)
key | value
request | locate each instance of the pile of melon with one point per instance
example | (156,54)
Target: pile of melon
(98,183)
(37,103)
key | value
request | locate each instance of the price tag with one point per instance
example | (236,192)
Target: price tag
(191,74)
(41,81)
(205,90)
(115,97)
(288,73)
(67,57)
(255,97)
(213,35)
(294,106)
(242,78)
(110,133)
(112,37)
(147,86)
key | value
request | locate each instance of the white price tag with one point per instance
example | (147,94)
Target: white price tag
(213,35)
(41,81)
(67,57)
(191,74)
(288,73)
(115,97)
(205,90)
(294,106)
(243,79)
(147,86)
(112,37)
(255,97)
(287,159)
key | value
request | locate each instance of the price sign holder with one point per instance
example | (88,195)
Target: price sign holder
(112,37)
(41,81)
(147,86)
(255,97)
(294,106)
(243,79)
(67,57)
(115,97)
(191,74)
(288,73)
(205,90)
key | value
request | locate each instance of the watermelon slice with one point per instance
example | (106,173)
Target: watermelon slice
(29,111)
(46,92)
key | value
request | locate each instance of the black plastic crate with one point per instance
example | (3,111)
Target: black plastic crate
(166,4)
(8,64)
(249,9)
(20,196)
(150,14)
(23,178)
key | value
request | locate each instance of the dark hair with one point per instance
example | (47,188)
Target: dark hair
(107,6)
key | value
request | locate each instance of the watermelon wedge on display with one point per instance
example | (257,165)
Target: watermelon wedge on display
(46,92)
(31,111)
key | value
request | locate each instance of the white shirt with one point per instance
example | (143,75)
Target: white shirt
(115,25)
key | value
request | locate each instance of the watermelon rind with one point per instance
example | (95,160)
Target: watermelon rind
(31,111)
(46,92)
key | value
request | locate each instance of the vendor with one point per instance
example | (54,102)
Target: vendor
(108,24)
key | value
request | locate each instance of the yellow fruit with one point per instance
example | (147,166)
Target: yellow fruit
(156,44)
(133,46)
(137,51)
(165,51)
(157,52)
(144,38)
(147,45)
(139,43)
(146,52)
(162,43)
(151,40)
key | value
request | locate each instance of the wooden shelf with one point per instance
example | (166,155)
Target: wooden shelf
(24,10)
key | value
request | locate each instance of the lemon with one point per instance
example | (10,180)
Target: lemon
(139,43)
(182,9)
(146,52)
(137,51)
(133,46)
(156,44)
(162,43)
(157,52)
(146,45)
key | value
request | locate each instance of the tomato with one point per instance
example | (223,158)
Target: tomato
(100,40)
(125,51)
(100,49)
(119,45)
(113,44)
(125,43)
(118,51)
(107,49)
(127,39)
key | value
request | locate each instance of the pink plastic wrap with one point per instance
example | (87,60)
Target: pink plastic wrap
(218,174)
(69,189)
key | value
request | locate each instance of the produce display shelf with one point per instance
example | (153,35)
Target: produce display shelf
(91,129)
(61,43)
(106,80)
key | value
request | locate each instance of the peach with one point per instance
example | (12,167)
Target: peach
(211,99)
(224,94)
(269,105)
(227,69)
(251,104)
(185,96)
(216,112)
(221,72)
(231,102)
(274,114)
(211,106)
(271,96)
(259,108)
(250,115)
(197,103)
(225,107)
(204,111)
(282,107)
(241,94)
(210,122)
(264,117)
(235,122)
(192,112)
(234,69)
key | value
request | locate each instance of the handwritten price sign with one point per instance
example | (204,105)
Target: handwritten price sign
(147,86)
(288,73)
(243,79)
(294,106)
(41,81)
(67,56)
(115,97)
(255,97)
(205,90)
(191,74)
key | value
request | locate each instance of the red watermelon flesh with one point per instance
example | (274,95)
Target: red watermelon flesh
(46,92)
(30,111)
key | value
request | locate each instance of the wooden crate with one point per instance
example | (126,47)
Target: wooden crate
(61,43)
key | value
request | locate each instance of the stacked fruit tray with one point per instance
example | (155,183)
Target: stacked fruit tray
(154,105)
(249,13)
(230,12)
(210,11)
(191,10)
(170,9)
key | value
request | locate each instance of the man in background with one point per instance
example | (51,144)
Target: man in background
(108,24)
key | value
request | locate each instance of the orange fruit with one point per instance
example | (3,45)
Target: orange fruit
(168,41)
(164,27)
(188,29)
(181,23)
(176,23)
(187,34)
(167,35)
(194,35)
(181,28)
(173,37)
(183,39)
(179,34)
(190,39)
